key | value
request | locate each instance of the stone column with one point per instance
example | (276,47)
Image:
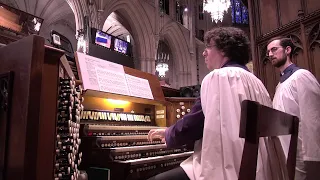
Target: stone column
(184,78)
(147,65)
(172,9)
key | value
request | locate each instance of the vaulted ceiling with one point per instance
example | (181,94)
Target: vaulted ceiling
(50,10)
(57,15)
(116,25)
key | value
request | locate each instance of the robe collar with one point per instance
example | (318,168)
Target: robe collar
(235,64)
(288,72)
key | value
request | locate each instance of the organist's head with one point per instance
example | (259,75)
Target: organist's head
(225,44)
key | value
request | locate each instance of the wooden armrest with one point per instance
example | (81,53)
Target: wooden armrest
(313,170)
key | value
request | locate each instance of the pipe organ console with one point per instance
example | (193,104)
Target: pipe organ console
(117,140)
(51,127)
(114,127)
(40,107)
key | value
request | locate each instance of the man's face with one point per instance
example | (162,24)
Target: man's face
(277,54)
(212,56)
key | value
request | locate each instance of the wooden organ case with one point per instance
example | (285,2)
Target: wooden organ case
(114,126)
(39,113)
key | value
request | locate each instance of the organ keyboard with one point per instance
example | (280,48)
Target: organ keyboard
(98,130)
(127,152)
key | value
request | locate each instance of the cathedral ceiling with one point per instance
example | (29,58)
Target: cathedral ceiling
(52,11)
(57,15)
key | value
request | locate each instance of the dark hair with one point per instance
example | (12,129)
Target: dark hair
(284,42)
(232,41)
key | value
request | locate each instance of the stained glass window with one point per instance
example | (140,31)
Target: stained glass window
(239,12)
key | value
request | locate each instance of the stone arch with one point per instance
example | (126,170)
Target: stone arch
(141,29)
(178,43)
(77,14)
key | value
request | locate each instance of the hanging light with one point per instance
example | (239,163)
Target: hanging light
(162,68)
(162,64)
(216,8)
(161,57)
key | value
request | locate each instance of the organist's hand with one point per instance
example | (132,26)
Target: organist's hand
(157,134)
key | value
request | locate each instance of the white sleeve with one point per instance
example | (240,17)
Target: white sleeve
(308,90)
(212,153)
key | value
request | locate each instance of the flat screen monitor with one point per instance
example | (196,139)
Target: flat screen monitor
(120,46)
(103,39)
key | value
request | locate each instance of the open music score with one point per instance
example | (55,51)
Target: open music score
(113,82)
(139,87)
(105,76)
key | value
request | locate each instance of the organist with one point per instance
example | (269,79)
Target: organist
(214,121)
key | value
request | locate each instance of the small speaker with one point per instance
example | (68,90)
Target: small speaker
(190,91)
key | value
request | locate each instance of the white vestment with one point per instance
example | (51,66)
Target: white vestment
(299,95)
(217,156)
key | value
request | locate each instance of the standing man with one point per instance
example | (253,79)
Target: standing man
(298,93)
(213,124)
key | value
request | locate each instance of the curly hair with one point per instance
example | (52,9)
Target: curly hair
(284,42)
(232,41)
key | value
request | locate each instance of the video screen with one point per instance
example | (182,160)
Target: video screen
(120,46)
(103,39)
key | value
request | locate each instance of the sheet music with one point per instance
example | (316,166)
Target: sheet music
(139,87)
(88,74)
(110,81)
(101,75)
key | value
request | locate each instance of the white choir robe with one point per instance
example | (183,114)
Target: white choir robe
(217,156)
(299,95)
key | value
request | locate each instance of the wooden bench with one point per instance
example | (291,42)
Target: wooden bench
(262,121)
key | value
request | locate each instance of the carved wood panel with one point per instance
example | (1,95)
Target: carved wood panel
(298,51)
(5,108)
(304,32)
(314,48)
(268,74)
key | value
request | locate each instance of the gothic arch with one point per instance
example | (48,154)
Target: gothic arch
(144,37)
(141,29)
(179,45)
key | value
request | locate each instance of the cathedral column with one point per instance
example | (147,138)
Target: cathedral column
(184,78)
(172,9)
(147,65)
(151,65)
(143,64)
